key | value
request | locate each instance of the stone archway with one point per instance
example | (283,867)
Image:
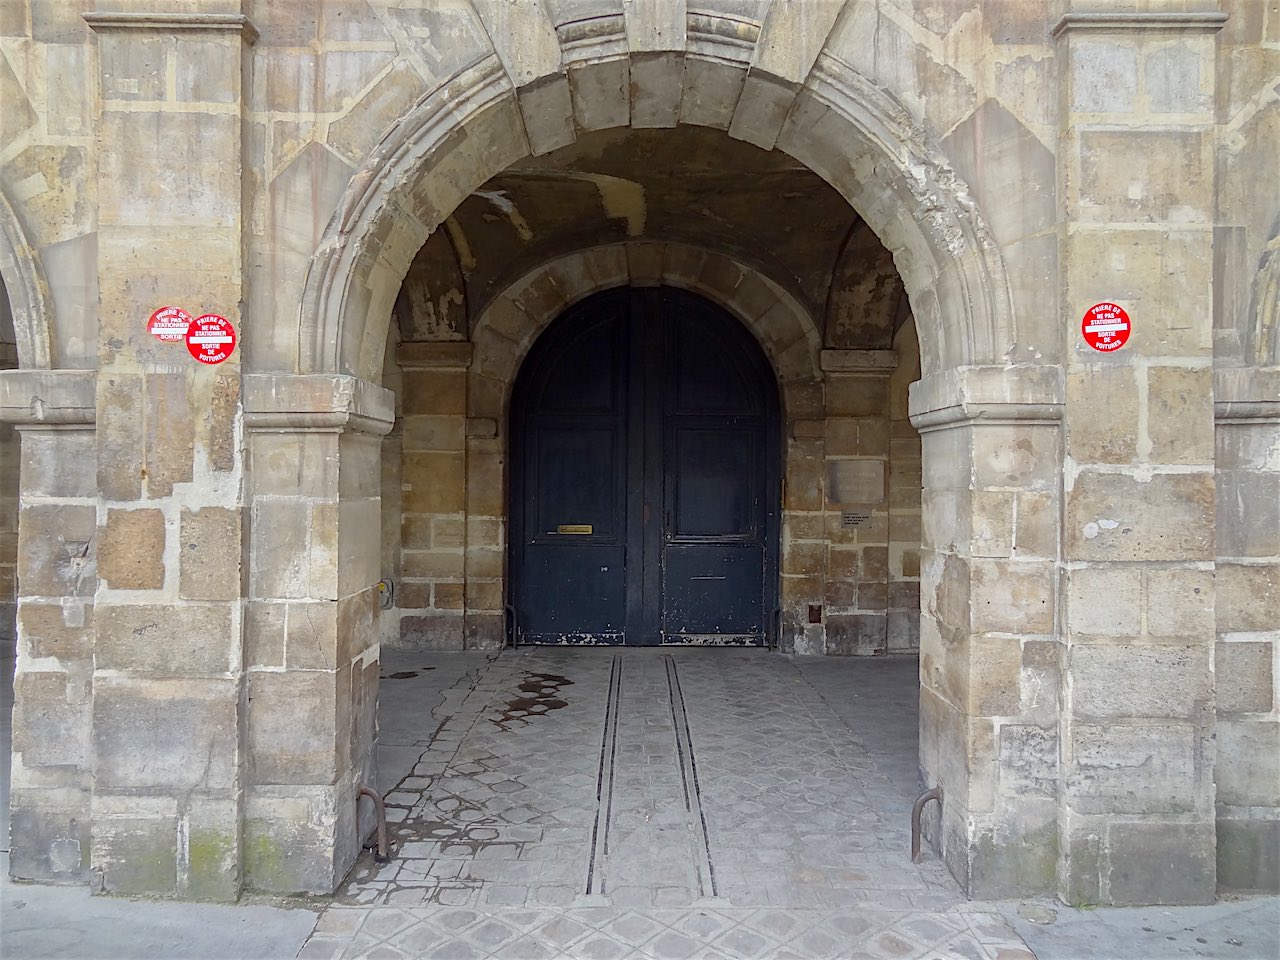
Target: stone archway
(867,146)
(28,292)
(851,133)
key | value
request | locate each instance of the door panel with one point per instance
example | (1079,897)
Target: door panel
(644,477)
(577,481)
(713,591)
(714,482)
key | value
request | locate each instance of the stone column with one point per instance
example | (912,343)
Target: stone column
(903,627)
(49,801)
(989,657)
(311,629)
(8,509)
(433,493)
(167,659)
(487,435)
(804,536)
(1247,622)
(1137,728)
(856,520)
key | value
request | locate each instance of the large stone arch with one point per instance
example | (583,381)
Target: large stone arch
(507,326)
(822,103)
(465,130)
(28,291)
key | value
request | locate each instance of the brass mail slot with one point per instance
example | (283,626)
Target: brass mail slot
(574,528)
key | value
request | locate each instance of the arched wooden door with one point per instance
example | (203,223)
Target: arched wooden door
(645,477)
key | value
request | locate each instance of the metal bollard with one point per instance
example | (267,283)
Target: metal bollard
(916,809)
(383,854)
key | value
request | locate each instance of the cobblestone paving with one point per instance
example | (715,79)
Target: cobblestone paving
(640,803)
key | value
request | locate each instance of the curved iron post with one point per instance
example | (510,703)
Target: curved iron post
(916,809)
(380,809)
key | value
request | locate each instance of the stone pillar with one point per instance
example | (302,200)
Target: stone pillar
(1137,728)
(487,435)
(167,688)
(1247,622)
(311,633)
(903,627)
(856,520)
(433,493)
(8,510)
(804,535)
(989,658)
(49,801)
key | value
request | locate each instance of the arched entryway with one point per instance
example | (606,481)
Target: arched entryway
(644,487)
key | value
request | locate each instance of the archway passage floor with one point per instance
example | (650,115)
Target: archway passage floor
(650,803)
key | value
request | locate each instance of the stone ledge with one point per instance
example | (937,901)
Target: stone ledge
(53,398)
(992,394)
(425,355)
(1246,393)
(882,362)
(1210,21)
(289,402)
(172,21)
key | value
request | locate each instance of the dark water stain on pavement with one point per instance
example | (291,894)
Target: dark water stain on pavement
(541,696)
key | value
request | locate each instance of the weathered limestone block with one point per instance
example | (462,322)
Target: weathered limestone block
(56,550)
(210,552)
(131,550)
(1244,677)
(1118,517)
(187,640)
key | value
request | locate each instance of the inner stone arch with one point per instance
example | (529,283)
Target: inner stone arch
(471,307)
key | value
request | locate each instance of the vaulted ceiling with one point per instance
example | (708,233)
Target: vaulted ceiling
(689,185)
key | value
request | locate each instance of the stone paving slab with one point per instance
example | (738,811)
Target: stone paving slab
(606,933)
(611,804)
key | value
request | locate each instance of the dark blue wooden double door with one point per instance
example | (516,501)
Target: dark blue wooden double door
(645,477)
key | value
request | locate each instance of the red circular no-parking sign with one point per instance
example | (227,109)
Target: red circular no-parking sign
(211,338)
(1105,327)
(169,323)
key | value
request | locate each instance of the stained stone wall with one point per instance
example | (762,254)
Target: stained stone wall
(8,487)
(197,549)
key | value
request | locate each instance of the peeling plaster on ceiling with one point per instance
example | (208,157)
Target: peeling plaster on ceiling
(690,185)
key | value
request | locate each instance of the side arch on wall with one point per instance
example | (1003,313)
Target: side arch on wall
(28,290)
(508,325)
(861,140)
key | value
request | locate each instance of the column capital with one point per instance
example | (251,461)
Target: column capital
(1246,393)
(48,398)
(324,402)
(1209,21)
(1033,394)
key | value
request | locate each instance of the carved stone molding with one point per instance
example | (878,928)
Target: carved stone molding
(1209,21)
(1246,394)
(864,362)
(431,355)
(988,394)
(325,402)
(52,399)
(173,22)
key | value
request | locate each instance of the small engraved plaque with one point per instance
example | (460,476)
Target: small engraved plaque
(576,528)
(852,518)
